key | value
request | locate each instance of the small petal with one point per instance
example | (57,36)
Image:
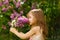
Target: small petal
(15,13)
(6,2)
(12,16)
(17,4)
(21,12)
(4,9)
(14,1)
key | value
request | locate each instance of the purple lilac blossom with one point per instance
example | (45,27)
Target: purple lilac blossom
(18,4)
(19,24)
(14,1)
(6,2)
(0,4)
(25,20)
(16,14)
(21,13)
(21,21)
(12,16)
(4,9)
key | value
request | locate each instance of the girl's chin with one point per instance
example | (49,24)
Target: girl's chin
(30,23)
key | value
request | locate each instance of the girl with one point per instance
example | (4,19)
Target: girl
(38,29)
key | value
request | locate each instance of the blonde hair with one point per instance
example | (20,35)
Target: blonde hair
(38,14)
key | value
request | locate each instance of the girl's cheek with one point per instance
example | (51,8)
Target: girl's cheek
(30,20)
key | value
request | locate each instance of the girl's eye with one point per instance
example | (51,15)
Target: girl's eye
(29,17)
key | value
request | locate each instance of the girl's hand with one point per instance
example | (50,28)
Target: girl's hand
(13,30)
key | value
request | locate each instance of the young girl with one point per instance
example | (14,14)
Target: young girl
(38,29)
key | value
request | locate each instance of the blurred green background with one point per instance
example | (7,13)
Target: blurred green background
(51,10)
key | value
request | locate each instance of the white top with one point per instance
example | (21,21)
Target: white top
(36,37)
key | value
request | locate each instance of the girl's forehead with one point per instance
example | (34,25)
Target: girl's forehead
(29,14)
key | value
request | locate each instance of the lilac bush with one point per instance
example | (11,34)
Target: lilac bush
(12,11)
(19,19)
(13,14)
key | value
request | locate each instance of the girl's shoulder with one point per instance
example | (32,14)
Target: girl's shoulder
(37,28)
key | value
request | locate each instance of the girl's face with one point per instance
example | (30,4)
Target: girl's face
(32,19)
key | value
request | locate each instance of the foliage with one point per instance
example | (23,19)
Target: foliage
(51,9)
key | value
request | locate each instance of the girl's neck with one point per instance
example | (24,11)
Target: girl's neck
(32,26)
(35,25)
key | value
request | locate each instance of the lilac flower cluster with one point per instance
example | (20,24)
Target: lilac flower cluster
(21,21)
(6,3)
(18,19)
(14,15)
